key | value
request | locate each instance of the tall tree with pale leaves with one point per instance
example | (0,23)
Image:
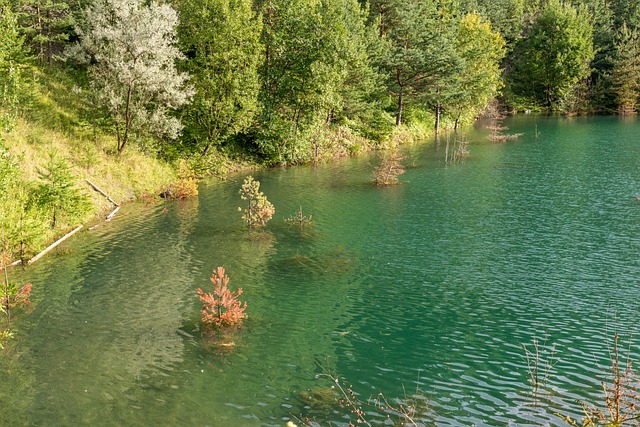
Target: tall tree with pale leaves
(130,46)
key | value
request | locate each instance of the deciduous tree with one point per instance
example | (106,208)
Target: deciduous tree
(554,56)
(131,51)
(481,51)
(223,57)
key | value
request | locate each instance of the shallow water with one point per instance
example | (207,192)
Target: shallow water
(429,289)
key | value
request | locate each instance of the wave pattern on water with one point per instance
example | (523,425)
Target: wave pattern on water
(430,290)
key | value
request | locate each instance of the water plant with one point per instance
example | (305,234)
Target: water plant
(621,397)
(259,210)
(222,307)
(389,168)
(540,360)
(410,411)
(299,219)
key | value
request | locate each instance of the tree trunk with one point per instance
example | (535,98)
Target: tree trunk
(127,122)
(437,125)
(400,105)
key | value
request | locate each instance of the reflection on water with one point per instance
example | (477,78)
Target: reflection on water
(428,288)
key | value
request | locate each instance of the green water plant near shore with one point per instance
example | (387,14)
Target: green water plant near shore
(259,210)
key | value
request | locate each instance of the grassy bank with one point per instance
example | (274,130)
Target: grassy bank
(57,123)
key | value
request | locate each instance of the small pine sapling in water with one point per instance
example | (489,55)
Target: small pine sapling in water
(299,219)
(389,168)
(222,307)
(259,210)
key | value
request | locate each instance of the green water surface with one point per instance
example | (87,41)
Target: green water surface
(428,289)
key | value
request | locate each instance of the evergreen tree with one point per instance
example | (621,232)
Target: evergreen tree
(57,193)
(422,61)
(47,24)
(223,57)
(10,58)
(599,94)
(131,52)
(625,75)
(505,16)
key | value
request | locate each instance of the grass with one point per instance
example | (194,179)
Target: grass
(55,119)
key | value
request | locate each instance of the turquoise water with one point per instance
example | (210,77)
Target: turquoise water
(428,289)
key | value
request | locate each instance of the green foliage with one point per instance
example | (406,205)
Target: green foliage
(47,25)
(223,59)
(313,50)
(481,51)
(259,210)
(57,193)
(554,56)
(10,56)
(131,53)
(21,222)
(625,75)
(506,17)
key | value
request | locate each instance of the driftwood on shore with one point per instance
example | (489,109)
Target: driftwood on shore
(95,187)
(54,244)
(113,213)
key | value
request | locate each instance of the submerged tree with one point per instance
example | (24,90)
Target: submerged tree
(222,307)
(131,52)
(259,210)
(389,168)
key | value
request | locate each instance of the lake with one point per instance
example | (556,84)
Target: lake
(432,291)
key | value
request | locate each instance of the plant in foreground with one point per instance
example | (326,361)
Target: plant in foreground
(222,307)
(407,412)
(621,397)
(259,210)
(539,359)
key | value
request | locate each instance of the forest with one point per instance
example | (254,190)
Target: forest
(138,94)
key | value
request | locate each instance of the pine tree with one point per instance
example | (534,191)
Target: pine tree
(10,59)
(625,75)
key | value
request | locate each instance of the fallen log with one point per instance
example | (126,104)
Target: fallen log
(112,214)
(95,187)
(54,244)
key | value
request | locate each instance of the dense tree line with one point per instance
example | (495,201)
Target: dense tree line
(276,78)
